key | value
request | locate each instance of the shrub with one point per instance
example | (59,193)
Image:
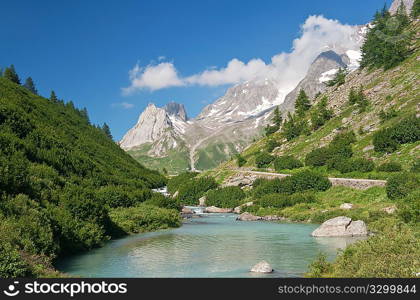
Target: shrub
(11,263)
(120,196)
(284,200)
(259,181)
(286,163)
(385,115)
(271,145)
(263,160)
(175,182)
(143,218)
(310,180)
(160,200)
(318,157)
(228,197)
(390,167)
(402,184)
(274,186)
(191,191)
(240,160)
(362,165)
(406,131)
(409,208)
(384,142)
(320,267)
(416,166)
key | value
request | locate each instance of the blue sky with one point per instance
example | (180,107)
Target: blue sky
(83,50)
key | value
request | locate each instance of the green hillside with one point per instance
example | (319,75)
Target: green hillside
(64,183)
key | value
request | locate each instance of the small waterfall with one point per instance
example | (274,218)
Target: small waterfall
(162,190)
(198,210)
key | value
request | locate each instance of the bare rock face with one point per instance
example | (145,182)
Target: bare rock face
(217,210)
(396,4)
(262,267)
(341,226)
(346,206)
(163,128)
(248,217)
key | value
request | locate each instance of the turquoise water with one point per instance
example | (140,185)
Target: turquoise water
(214,245)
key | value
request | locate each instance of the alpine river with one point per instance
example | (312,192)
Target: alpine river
(213,245)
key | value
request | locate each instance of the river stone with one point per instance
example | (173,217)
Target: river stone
(217,210)
(202,201)
(341,226)
(246,216)
(186,210)
(237,210)
(262,267)
(346,206)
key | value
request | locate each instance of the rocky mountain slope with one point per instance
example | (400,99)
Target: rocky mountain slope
(163,137)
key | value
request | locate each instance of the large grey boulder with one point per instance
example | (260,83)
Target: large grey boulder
(341,226)
(262,267)
(217,210)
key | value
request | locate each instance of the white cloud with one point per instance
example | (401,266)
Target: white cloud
(124,105)
(153,77)
(318,34)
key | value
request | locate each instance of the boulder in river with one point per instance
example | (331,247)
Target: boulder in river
(217,210)
(262,267)
(246,216)
(341,226)
(186,210)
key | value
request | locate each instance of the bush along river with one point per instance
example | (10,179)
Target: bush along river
(212,245)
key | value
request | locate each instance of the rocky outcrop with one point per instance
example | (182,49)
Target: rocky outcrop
(262,267)
(341,227)
(217,210)
(202,201)
(240,179)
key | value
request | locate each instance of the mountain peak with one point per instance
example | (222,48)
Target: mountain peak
(176,109)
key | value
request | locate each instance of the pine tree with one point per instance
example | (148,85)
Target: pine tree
(339,78)
(387,42)
(10,73)
(107,130)
(415,11)
(30,85)
(321,114)
(277,118)
(53,97)
(85,115)
(302,103)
